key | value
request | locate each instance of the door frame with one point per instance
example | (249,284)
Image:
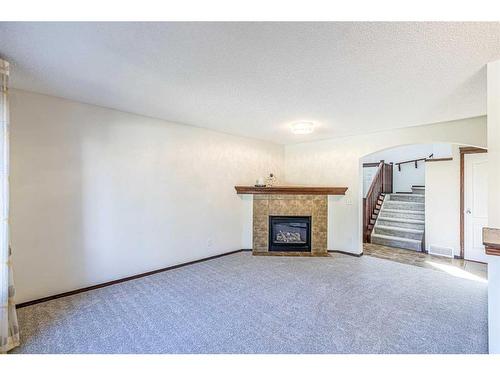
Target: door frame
(463,151)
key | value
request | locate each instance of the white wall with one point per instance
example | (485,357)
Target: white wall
(408,176)
(442,203)
(98,194)
(338,162)
(368,176)
(409,152)
(494,203)
(247,221)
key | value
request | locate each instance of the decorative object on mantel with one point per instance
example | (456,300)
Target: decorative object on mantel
(297,190)
(260,182)
(491,241)
(271,180)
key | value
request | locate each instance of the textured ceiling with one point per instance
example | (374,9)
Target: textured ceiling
(253,79)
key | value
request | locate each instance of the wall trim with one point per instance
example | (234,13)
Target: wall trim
(346,253)
(463,151)
(117,281)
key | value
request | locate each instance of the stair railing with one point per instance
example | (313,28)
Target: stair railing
(413,161)
(381,183)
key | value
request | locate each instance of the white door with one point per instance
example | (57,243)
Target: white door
(475,205)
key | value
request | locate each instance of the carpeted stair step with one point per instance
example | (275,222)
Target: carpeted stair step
(393,241)
(419,198)
(416,189)
(402,205)
(402,214)
(401,220)
(402,223)
(414,234)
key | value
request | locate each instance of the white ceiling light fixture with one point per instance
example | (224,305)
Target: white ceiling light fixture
(303,127)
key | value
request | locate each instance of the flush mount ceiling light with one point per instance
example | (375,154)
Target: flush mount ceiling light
(302,127)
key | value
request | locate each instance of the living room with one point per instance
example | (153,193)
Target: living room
(202,187)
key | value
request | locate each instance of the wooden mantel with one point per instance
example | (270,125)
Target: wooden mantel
(298,190)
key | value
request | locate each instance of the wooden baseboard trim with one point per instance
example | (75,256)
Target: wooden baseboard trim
(476,261)
(345,253)
(128,278)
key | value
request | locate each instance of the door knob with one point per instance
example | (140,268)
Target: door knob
(468,211)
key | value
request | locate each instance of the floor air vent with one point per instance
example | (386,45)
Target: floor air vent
(441,251)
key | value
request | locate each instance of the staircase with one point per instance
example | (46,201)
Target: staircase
(372,203)
(374,215)
(401,220)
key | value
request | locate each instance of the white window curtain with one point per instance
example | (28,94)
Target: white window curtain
(9,329)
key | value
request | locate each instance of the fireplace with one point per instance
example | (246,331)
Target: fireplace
(289,233)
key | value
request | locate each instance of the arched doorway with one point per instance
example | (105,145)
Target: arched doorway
(412,204)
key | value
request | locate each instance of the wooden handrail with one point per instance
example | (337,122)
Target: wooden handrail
(381,183)
(371,165)
(413,161)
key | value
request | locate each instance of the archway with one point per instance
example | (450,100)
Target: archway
(427,221)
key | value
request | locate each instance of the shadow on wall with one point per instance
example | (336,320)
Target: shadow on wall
(99,194)
(47,211)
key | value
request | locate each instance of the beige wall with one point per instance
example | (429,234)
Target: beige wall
(337,162)
(442,203)
(98,194)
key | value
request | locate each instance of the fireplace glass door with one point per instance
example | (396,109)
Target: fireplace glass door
(289,233)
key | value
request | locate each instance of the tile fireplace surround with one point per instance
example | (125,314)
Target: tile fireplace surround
(290,201)
(265,205)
